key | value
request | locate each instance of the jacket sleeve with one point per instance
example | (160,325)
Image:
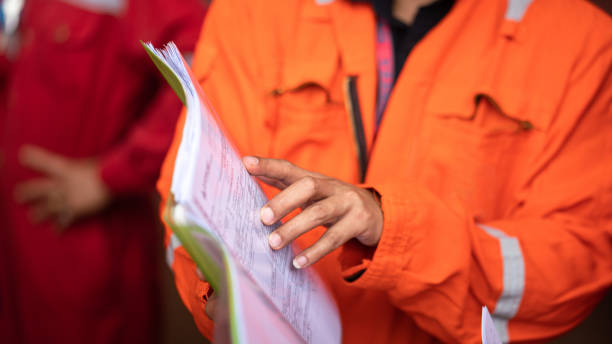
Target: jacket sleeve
(133,165)
(541,268)
(4,66)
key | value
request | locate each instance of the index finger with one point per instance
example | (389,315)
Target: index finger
(33,190)
(42,160)
(269,170)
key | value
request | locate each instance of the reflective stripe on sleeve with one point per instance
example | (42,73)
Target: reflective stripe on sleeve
(173,244)
(516,9)
(514,281)
(112,7)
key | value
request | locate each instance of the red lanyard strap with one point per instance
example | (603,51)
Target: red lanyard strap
(385,67)
(385,71)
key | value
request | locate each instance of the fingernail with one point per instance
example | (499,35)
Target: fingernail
(250,161)
(274,240)
(267,215)
(299,262)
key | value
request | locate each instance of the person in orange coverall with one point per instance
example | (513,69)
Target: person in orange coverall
(475,171)
(85,125)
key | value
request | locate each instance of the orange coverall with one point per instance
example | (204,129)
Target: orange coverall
(493,159)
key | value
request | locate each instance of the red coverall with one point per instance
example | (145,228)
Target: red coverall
(82,86)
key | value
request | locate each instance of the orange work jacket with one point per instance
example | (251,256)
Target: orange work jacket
(493,159)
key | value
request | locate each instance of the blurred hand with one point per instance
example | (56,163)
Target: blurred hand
(70,189)
(346,210)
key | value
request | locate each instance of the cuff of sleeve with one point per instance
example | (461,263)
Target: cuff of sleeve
(113,173)
(380,267)
(122,173)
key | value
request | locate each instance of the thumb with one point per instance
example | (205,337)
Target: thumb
(210,306)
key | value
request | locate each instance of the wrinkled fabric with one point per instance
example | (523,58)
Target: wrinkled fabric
(493,158)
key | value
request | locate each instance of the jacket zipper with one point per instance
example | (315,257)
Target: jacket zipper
(353,109)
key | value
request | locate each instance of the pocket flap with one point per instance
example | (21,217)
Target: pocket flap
(66,25)
(462,101)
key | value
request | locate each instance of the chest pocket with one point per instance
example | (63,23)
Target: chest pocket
(66,26)
(311,126)
(70,40)
(479,140)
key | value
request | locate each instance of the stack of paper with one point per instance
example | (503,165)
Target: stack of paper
(488,331)
(214,211)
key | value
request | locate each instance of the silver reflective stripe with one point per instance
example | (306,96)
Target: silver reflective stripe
(172,245)
(324,2)
(514,281)
(516,9)
(114,7)
(12,13)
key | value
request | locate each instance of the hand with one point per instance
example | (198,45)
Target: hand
(211,302)
(69,189)
(346,210)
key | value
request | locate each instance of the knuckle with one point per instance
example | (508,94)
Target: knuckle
(363,216)
(286,163)
(286,166)
(334,184)
(310,184)
(352,196)
(334,240)
(319,212)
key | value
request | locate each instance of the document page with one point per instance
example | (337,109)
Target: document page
(488,331)
(217,194)
(243,314)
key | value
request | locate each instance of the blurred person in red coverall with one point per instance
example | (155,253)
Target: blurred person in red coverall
(86,122)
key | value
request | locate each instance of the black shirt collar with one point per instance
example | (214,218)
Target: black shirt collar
(384,9)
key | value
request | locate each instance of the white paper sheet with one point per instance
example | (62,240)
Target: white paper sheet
(217,194)
(489,333)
